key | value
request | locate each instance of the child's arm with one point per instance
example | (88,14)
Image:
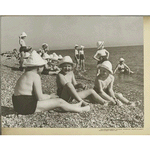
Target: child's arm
(103,94)
(107,54)
(37,87)
(77,85)
(95,56)
(74,82)
(128,68)
(116,69)
(110,89)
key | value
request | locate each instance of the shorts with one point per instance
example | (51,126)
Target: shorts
(24,104)
(82,57)
(76,57)
(23,49)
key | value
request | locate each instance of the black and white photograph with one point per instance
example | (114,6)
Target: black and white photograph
(72,71)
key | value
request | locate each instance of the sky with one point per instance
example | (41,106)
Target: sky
(63,32)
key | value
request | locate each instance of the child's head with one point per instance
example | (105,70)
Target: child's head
(105,68)
(121,60)
(34,61)
(23,35)
(44,46)
(76,46)
(66,64)
(100,44)
(82,47)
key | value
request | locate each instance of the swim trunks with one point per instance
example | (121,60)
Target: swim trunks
(23,49)
(24,104)
(82,57)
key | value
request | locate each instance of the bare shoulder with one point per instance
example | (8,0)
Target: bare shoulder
(112,77)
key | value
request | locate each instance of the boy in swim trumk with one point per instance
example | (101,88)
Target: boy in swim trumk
(22,48)
(104,85)
(82,58)
(66,85)
(122,67)
(28,97)
(102,54)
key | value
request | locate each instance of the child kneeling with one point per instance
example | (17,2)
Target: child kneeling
(66,85)
(28,96)
(104,85)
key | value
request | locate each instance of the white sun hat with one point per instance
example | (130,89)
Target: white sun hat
(45,44)
(121,59)
(99,44)
(76,45)
(26,54)
(34,60)
(107,65)
(46,56)
(55,56)
(66,59)
(82,46)
(51,56)
(60,57)
(23,34)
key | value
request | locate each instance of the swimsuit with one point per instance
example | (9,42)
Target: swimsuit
(82,57)
(24,104)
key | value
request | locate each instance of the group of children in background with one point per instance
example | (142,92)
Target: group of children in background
(29,98)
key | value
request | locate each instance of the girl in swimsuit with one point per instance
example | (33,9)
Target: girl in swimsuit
(102,54)
(104,85)
(122,67)
(66,85)
(28,97)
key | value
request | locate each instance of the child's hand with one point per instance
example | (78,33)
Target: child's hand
(84,103)
(52,96)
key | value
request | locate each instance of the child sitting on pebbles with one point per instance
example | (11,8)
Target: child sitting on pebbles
(66,85)
(104,85)
(28,96)
(49,67)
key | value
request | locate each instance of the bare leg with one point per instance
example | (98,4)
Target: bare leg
(69,91)
(92,95)
(124,100)
(59,103)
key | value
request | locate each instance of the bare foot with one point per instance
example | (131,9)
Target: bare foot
(84,103)
(85,109)
(78,104)
(119,103)
(134,104)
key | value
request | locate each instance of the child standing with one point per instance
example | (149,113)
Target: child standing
(104,85)
(122,67)
(22,48)
(66,84)
(82,58)
(102,54)
(28,96)
(76,56)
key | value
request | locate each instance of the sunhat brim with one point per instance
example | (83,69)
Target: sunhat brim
(34,65)
(103,66)
(60,64)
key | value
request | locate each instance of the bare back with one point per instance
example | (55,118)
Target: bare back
(24,85)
